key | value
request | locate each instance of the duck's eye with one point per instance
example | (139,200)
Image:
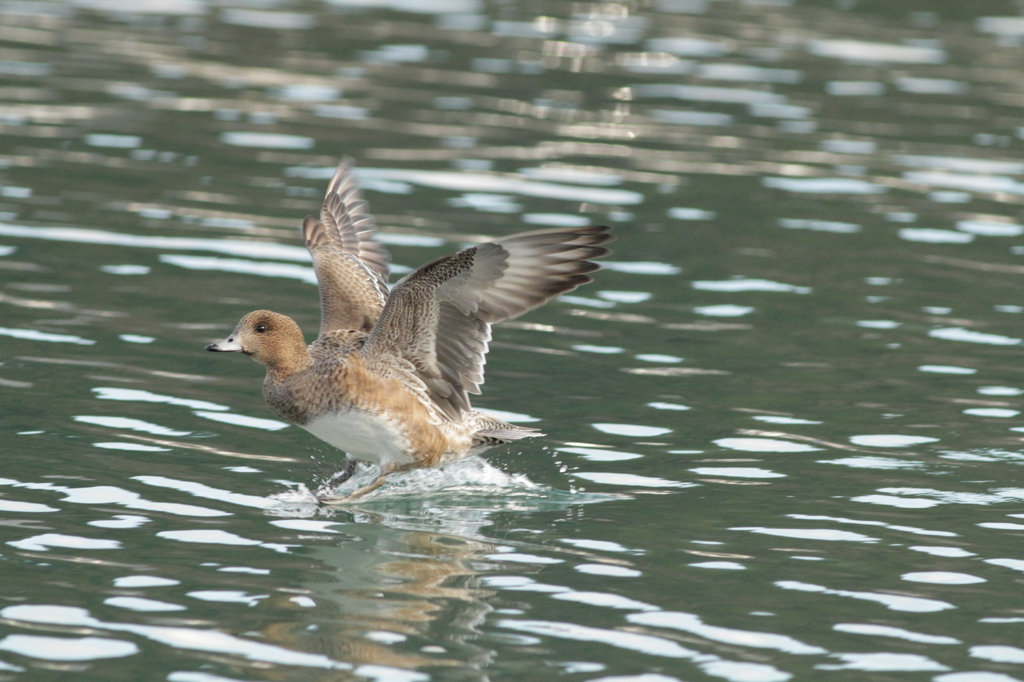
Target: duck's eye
(261,328)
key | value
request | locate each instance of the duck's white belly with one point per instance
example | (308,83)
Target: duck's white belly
(362,435)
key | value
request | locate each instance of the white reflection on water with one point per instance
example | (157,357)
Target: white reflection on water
(600,455)
(132,447)
(689,117)
(522,558)
(648,644)
(260,18)
(130,424)
(894,602)
(604,599)
(67,648)
(634,430)
(219,537)
(42,543)
(961,164)
(893,501)
(641,267)
(1000,390)
(744,72)
(1015,564)
(719,565)
(773,419)
(890,440)
(878,324)
(950,552)
(691,623)
(556,219)
(975,676)
(228,596)
(933,235)
(942,578)
(737,472)
(880,662)
(967,183)
(827,534)
(519,583)
(205,491)
(992,412)
(243,420)
(307,92)
(28,507)
(574,175)
(680,213)
(882,524)
(947,369)
(192,639)
(932,86)
(875,53)
(126,269)
(989,228)
(624,296)
(248,267)
(610,478)
(996,525)
(114,141)
(120,521)
(267,140)
(741,284)
(723,310)
(999,654)
(669,406)
(134,581)
(107,494)
(607,570)
(142,604)
(704,93)
(601,350)
(244,569)
(137,395)
(307,525)
(953,497)
(890,631)
(479,182)
(824,185)
(966,335)
(658,357)
(873,463)
(600,545)
(819,225)
(33,335)
(764,445)
(231,247)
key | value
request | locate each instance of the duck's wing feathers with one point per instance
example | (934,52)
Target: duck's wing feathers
(351,265)
(438,319)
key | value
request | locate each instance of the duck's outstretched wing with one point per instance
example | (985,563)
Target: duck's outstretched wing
(437,320)
(351,266)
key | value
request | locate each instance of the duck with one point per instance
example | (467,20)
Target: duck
(387,380)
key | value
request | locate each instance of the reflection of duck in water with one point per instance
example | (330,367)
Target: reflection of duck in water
(388,379)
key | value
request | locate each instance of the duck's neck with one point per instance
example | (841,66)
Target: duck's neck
(290,357)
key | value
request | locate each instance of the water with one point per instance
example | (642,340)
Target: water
(785,422)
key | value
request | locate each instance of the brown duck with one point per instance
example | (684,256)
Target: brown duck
(388,378)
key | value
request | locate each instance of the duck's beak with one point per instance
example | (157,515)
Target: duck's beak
(228,345)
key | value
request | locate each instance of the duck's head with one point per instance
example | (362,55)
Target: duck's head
(269,338)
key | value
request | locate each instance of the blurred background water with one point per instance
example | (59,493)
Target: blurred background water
(783,422)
